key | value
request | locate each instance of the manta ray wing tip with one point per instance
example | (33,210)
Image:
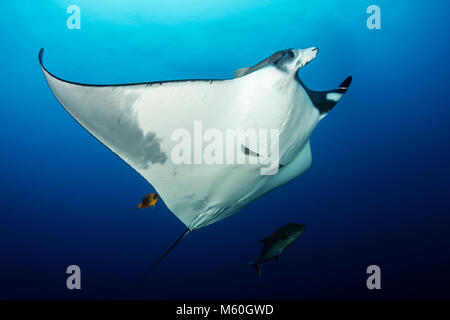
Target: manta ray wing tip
(41,55)
(346,83)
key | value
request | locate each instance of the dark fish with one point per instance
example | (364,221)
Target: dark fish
(277,242)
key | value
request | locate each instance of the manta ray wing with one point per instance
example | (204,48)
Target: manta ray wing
(137,121)
(145,124)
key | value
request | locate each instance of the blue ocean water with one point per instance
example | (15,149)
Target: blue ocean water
(377,192)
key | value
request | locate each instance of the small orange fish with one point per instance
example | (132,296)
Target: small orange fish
(148,201)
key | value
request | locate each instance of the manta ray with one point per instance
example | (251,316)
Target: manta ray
(136,122)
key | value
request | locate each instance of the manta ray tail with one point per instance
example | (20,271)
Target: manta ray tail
(324,101)
(146,273)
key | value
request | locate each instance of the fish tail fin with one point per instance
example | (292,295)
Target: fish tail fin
(139,205)
(146,273)
(257,268)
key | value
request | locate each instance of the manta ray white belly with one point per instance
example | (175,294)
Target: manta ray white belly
(137,122)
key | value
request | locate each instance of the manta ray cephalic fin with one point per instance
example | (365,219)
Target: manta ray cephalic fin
(324,101)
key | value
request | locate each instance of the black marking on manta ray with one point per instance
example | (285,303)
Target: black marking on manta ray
(148,83)
(346,83)
(249,152)
(319,98)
